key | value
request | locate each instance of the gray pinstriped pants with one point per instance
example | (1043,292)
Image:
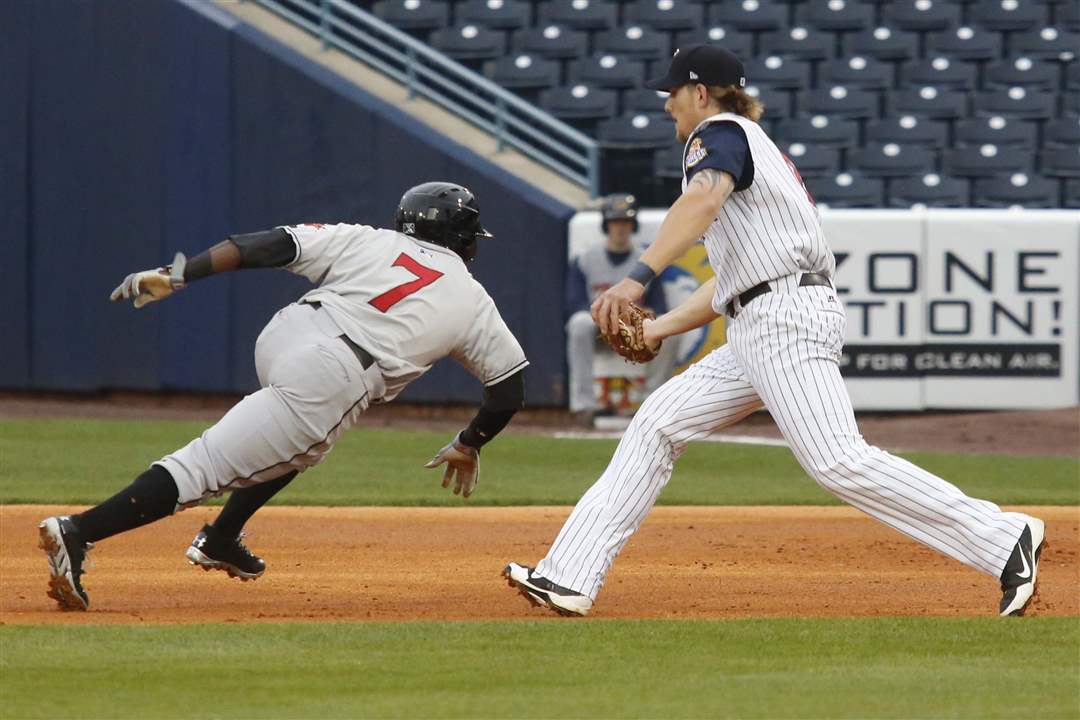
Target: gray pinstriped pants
(783,351)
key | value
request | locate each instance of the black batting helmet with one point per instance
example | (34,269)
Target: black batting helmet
(618,207)
(443,213)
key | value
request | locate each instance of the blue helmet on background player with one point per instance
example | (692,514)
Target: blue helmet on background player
(618,207)
(443,213)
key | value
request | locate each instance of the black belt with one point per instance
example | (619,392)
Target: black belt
(762,288)
(361,354)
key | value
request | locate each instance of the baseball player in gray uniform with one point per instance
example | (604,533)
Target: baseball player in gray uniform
(593,271)
(773,279)
(386,306)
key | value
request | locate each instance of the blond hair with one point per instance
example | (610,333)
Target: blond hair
(736,100)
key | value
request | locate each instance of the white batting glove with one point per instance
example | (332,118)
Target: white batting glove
(462,464)
(151,285)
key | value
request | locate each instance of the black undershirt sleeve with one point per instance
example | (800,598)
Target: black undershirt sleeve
(501,401)
(268,248)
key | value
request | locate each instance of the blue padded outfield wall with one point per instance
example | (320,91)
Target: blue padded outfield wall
(133,129)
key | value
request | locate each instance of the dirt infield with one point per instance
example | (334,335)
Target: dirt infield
(443,564)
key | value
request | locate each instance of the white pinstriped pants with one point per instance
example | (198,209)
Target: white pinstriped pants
(783,351)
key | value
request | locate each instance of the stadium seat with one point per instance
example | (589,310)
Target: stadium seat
(929,190)
(524,71)
(922,15)
(996,130)
(938,71)
(1016,189)
(966,43)
(857,72)
(892,160)
(839,101)
(637,131)
(667,162)
(641,100)
(798,42)
(1048,42)
(1061,162)
(777,72)
(666,15)
(813,160)
(1007,15)
(929,101)
(1067,15)
(836,15)
(469,42)
(607,71)
(579,103)
(633,41)
(884,43)
(1072,193)
(551,41)
(818,130)
(986,160)
(1063,132)
(846,189)
(579,14)
(749,15)
(1018,102)
(1070,104)
(1072,77)
(414,15)
(777,102)
(1033,74)
(907,130)
(740,43)
(495,14)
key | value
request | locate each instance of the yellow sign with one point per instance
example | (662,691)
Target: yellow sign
(680,281)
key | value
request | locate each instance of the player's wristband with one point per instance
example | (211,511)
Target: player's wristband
(642,273)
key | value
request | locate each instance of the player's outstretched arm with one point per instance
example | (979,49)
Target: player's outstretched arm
(272,248)
(692,313)
(686,221)
(462,455)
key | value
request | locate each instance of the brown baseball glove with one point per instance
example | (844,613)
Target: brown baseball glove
(629,340)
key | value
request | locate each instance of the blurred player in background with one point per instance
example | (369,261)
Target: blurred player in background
(593,271)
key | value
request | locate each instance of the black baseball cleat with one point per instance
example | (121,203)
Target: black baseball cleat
(60,540)
(540,591)
(210,550)
(1021,572)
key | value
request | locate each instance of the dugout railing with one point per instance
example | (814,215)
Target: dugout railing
(510,120)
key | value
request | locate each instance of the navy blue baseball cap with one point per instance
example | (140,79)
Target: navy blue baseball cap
(705,64)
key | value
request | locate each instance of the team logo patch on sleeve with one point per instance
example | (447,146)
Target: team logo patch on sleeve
(695,153)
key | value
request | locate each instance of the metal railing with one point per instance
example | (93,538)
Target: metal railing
(426,72)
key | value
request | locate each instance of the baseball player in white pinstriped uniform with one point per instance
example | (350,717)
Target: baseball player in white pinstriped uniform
(388,304)
(773,278)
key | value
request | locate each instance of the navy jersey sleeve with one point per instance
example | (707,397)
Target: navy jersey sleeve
(577,289)
(721,146)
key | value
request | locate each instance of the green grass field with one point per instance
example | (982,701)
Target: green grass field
(84,461)
(898,668)
(760,668)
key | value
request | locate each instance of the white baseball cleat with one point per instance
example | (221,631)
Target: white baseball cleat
(540,591)
(60,540)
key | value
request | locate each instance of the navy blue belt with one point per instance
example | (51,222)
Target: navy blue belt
(361,354)
(762,288)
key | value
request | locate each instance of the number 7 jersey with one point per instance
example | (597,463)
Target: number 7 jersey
(407,302)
